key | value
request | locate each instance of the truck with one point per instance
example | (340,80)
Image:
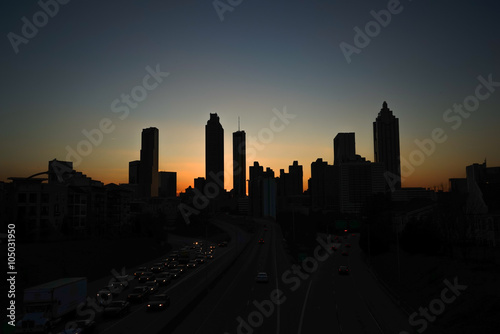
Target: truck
(46,304)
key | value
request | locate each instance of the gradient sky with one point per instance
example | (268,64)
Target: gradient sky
(263,55)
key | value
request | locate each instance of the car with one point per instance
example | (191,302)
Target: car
(158,302)
(163,278)
(85,326)
(104,296)
(181,267)
(210,256)
(222,244)
(192,264)
(123,281)
(173,265)
(153,287)
(265,230)
(262,277)
(141,270)
(146,277)
(175,273)
(348,245)
(333,248)
(138,294)
(115,289)
(212,246)
(345,253)
(157,267)
(344,270)
(76,330)
(261,241)
(354,234)
(116,308)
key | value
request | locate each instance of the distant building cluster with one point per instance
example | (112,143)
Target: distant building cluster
(67,202)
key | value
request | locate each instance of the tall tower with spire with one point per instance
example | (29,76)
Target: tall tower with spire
(386,146)
(239,163)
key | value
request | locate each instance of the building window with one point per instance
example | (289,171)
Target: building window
(45,198)
(21,198)
(33,198)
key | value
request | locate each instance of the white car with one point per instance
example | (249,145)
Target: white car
(262,277)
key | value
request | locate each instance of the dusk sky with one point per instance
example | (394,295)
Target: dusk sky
(263,55)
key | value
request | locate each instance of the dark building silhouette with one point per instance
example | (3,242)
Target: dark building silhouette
(239,164)
(262,191)
(148,171)
(199,183)
(291,183)
(214,152)
(168,184)
(386,146)
(323,185)
(344,148)
(133,172)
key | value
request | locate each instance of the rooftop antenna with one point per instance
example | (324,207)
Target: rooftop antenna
(238,123)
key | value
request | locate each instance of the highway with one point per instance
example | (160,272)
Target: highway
(222,296)
(314,299)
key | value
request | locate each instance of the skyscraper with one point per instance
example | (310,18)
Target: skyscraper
(148,171)
(386,146)
(239,164)
(168,184)
(344,148)
(214,152)
(133,171)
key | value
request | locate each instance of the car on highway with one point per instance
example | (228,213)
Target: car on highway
(79,327)
(138,294)
(141,270)
(262,277)
(146,277)
(158,302)
(212,246)
(116,308)
(222,244)
(153,287)
(157,267)
(173,265)
(163,278)
(261,241)
(210,256)
(104,296)
(344,270)
(86,326)
(348,245)
(345,253)
(192,264)
(333,248)
(175,273)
